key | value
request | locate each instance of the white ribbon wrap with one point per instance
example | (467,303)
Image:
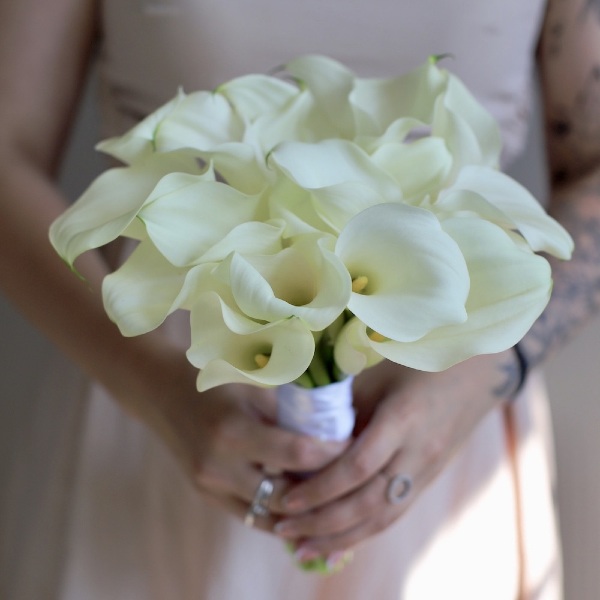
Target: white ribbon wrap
(325,412)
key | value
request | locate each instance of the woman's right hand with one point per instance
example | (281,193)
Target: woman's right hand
(226,438)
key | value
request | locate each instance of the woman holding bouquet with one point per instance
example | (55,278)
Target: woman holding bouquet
(446,486)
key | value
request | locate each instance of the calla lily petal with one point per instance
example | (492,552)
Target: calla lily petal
(186,221)
(253,237)
(330,83)
(331,162)
(225,345)
(138,143)
(305,280)
(412,95)
(201,120)
(525,213)
(353,352)
(144,290)
(253,96)
(510,287)
(416,274)
(108,207)
(419,167)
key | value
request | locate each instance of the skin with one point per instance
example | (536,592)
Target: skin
(409,421)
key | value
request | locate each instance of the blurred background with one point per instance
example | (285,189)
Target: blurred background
(573,379)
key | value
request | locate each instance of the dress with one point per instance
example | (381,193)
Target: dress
(486,527)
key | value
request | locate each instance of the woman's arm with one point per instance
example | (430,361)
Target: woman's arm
(414,422)
(221,436)
(569,58)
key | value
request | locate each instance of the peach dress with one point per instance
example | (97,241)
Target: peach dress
(485,530)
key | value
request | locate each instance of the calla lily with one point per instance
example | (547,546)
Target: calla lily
(304,280)
(501,199)
(229,347)
(410,274)
(300,120)
(240,165)
(410,96)
(510,287)
(296,207)
(139,142)
(470,131)
(147,288)
(420,167)
(109,206)
(330,83)
(202,120)
(186,221)
(332,162)
(254,96)
(353,352)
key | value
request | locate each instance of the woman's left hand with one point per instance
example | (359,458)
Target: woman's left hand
(408,422)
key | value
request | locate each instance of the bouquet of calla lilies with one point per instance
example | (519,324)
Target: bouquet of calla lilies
(314,223)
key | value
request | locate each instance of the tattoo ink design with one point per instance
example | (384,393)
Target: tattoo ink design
(576,294)
(577,129)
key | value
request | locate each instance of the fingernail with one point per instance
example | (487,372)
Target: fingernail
(285,529)
(305,553)
(336,560)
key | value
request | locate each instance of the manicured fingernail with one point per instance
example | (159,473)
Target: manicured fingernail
(337,560)
(305,553)
(285,529)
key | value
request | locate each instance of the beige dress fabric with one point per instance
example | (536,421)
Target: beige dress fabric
(486,527)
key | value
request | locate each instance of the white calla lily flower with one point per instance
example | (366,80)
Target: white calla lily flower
(201,120)
(305,280)
(412,95)
(140,294)
(107,209)
(353,351)
(254,96)
(409,275)
(301,121)
(330,83)
(139,142)
(517,208)
(420,167)
(229,347)
(470,131)
(332,162)
(186,221)
(510,287)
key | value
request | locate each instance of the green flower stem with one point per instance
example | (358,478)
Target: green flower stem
(305,381)
(318,371)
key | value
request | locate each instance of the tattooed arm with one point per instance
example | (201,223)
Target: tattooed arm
(569,58)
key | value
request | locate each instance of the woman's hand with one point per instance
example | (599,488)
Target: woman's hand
(408,422)
(225,438)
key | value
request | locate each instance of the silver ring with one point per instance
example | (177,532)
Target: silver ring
(398,488)
(260,503)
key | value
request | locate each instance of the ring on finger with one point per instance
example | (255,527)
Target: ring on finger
(259,507)
(398,487)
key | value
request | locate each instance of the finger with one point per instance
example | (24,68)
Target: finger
(240,510)
(364,458)
(242,484)
(288,451)
(327,540)
(337,517)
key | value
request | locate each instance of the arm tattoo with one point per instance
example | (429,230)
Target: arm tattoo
(575,131)
(576,294)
